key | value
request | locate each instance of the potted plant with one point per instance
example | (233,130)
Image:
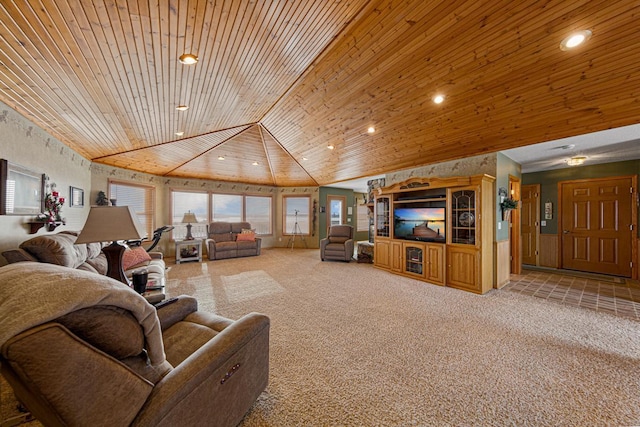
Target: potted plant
(507,205)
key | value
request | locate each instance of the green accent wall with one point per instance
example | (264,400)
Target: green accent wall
(352,200)
(505,167)
(549,180)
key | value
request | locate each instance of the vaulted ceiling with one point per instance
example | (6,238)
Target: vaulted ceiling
(279,81)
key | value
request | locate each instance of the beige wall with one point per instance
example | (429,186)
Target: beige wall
(23,143)
(101,174)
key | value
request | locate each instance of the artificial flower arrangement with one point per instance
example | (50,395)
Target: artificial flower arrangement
(52,206)
(509,204)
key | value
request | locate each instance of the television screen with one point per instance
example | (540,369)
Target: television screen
(424,224)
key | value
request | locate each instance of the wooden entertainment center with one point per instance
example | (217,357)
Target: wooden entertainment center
(439,230)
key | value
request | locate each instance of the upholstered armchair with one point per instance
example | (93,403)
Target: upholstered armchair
(338,245)
(82,349)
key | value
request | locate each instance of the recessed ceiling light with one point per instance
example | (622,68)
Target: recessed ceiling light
(220,157)
(575,39)
(576,161)
(438,99)
(182,107)
(188,59)
(330,147)
(255,163)
(304,158)
(371,129)
(179,133)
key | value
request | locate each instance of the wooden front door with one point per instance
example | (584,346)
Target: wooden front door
(529,223)
(595,228)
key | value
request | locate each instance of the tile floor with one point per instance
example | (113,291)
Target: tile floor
(602,293)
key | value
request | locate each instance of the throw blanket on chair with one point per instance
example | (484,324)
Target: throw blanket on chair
(33,293)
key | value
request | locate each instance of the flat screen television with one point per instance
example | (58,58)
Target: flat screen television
(422,224)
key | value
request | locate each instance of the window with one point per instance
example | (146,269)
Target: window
(227,207)
(362,223)
(296,215)
(140,198)
(258,212)
(194,202)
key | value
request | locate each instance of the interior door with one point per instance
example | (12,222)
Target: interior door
(596,221)
(336,214)
(530,222)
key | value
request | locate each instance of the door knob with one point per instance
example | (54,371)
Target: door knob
(565,231)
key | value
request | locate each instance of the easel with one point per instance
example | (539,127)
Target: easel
(296,233)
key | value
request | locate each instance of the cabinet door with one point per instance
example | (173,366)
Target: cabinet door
(463,216)
(381,253)
(382,216)
(396,256)
(414,259)
(434,259)
(463,268)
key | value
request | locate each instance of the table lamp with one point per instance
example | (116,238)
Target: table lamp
(188,218)
(110,224)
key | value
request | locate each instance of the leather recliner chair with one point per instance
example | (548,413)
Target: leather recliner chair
(338,245)
(91,351)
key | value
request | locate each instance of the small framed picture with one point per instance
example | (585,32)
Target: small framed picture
(76,197)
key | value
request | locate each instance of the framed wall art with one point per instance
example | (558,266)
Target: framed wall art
(76,197)
(21,190)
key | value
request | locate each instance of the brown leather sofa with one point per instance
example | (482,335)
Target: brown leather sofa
(61,249)
(79,351)
(231,240)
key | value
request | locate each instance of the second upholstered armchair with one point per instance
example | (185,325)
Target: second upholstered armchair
(338,245)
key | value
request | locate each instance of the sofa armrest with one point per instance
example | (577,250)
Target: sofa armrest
(323,243)
(349,248)
(207,381)
(173,313)
(211,248)
(18,255)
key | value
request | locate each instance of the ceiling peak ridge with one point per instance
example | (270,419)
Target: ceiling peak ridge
(264,128)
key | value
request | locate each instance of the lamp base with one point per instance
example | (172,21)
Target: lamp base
(189,236)
(114,253)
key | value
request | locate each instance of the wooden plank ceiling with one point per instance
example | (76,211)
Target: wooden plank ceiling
(278,81)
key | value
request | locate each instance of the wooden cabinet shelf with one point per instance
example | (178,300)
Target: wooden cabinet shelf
(463,257)
(34,226)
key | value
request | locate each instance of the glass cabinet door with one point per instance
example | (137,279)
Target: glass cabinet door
(414,259)
(382,216)
(463,216)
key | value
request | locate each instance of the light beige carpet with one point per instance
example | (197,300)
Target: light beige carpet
(352,345)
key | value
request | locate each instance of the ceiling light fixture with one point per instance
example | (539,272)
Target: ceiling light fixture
(255,163)
(438,99)
(220,157)
(575,39)
(371,129)
(182,107)
(304,158)
(330,147)
(179,133)
(576,161)
(188,59)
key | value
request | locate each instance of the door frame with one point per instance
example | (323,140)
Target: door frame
(514,227)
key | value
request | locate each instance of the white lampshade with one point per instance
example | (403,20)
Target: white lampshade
(111,223)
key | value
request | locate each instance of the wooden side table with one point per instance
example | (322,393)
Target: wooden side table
(188,250)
